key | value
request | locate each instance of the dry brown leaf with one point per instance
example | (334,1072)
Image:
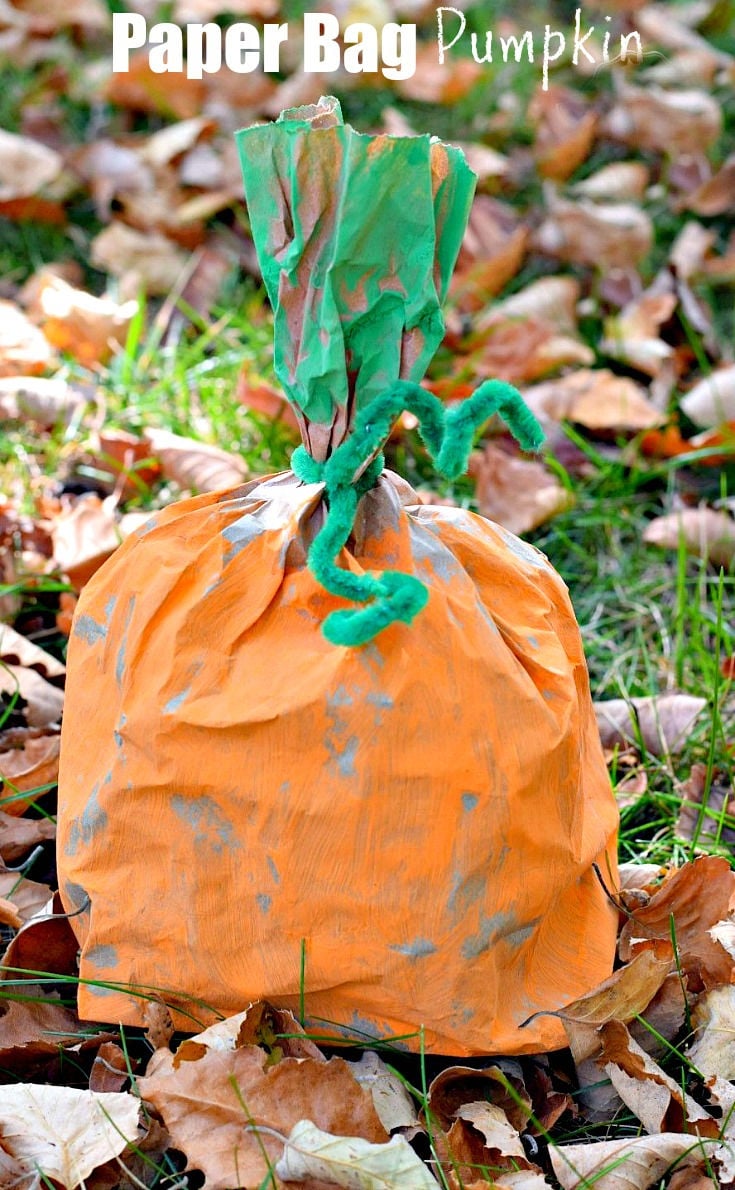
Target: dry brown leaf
(395,1107)
(456,1086)
(173,95)
(89,328)
(713,1021)
(551,299)
(621,181)
(141,259)
(435,82)
(639,876)
(257,394)
(627,993)
(632,336)
(24,350)
(717,195)
(519,495)
(654,1098)
(666,1014)
(712,401)
(35,762)
(122,461)
(195,465)
(26,897)
(707,810)
(313,1156)
(594,398)
(26,166)
(493,250)
(206,1102)
(84,533)
(605,236)
(690,1178)
(65,1133)
(673,122)
(629,1164)
(46,943)
(18,835)
(110,1069)
(705,533)
(33,1029)
(16,649)
(175,139)
(697,896)
(630,789)
(690,250)
(663,722)
(565,131)
(44,701)
(521,350)
(50,401)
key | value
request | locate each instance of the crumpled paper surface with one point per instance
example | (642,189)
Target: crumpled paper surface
(356,237)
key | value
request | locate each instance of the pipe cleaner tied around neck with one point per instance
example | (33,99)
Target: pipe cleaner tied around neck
(357,237)
(396,824)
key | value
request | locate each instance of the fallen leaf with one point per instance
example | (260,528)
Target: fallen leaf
(110,1069)
(84,533)
(18,835)
(594,398)
(46,943)
(565,130)
(712,400)
(44,701)
(633,1163)
(16,649)
(519,495)
(717,195)
(351,1162)
(195,465)
(551,299)
(143,260)
(33,762)
(257,394)
(50,401)
(122,461)
(662,723)
(713,1023)
(26,166)
(23,349)
(207,1101)
(140,88)
(64,1133)
(395,1107)
(632,336)
(519,350)
(630,789)
(625,994)
(174,140)
(707,810)
(706,533)
(655,1098)
(666,1016)
(492,252)
(498,1134)
(456,1086)
(33,1029)
(697,897)
(439,82)
(621,181)
(673,122)
(23,897)
(89,328)
(690,249)
(609,235)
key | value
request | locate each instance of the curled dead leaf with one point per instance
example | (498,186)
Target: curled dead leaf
(661,723)
(49,401)
(712,401)
(519,495)
(24,351)
(633,1163)
(594,398)
(565,130)
(34,761)
(673,122)
(84,533)
(704,532)
(18,835)
(609,235)
(698,896)
(632,336)
(713,1021)
(621,181)
(65,1133)
(16,649)
(351,1162)
(141,259)
(193,464)
(26,166)
(87,327)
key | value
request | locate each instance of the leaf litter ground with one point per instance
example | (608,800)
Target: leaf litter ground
(597,275)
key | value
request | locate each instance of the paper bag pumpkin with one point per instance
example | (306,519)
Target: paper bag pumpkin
(399,833)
